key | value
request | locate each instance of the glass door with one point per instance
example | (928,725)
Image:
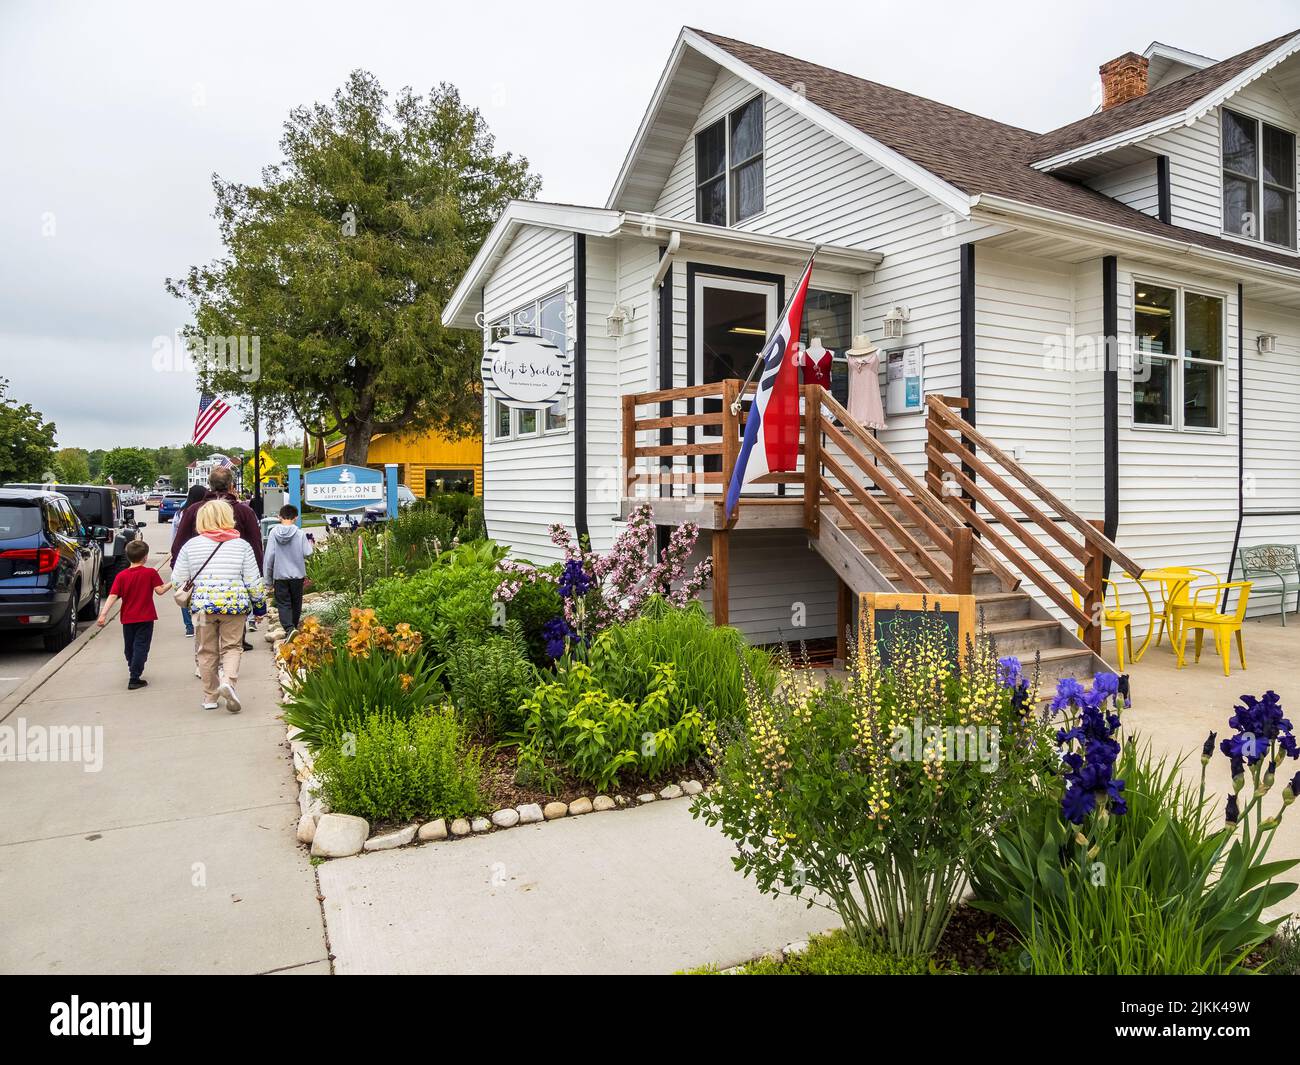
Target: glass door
(732,320)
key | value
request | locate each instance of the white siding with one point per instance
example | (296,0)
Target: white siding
(603,391)
(528,483)
(1135,186)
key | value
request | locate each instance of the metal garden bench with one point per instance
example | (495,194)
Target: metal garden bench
(1281,561)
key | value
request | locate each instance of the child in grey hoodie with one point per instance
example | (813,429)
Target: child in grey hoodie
(285,566)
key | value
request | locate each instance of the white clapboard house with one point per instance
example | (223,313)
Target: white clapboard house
(1110,311)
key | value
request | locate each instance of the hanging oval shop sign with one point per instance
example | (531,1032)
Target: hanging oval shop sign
(522,370)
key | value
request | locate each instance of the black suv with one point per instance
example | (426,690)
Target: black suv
(99,507)
(49,566)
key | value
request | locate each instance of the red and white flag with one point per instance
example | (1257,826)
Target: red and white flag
(211,411)
(771,442)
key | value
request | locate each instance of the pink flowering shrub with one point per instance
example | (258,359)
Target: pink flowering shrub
(598,591)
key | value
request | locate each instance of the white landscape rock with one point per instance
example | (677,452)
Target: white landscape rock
(692,787)
(339,835)
(432,830)
(671,792)
(480,824)
(552,810)
(529,813)
(505,818)
(306,828)
(580,806)
(460,827)
(389,840)
(646,796)
(601,803)
(309,800)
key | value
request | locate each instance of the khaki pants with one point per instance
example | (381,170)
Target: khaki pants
(218,641)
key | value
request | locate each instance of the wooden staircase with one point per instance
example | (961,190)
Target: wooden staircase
(882,529)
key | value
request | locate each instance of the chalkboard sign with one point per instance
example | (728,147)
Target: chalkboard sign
(893,618)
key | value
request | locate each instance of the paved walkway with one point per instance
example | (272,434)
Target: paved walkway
(179,855)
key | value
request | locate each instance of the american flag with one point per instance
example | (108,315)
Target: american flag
(211,411)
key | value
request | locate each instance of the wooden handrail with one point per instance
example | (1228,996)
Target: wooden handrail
(940,411)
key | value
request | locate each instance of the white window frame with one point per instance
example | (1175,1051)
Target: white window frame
(1224,173)
(730,166)
(1179,359)
(495,405)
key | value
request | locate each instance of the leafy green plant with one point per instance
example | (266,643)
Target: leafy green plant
(394,767)
(336,695)
(835,954)
(449,603)
(1154,890)
(1283,951)
(489,681)
(598,736)
(868,796)
(710,662)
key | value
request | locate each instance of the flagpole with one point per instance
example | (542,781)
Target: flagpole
(758,359)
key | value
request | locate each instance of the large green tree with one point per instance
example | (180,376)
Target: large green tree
(130,465)
(340,262)
(72,465)
(26,440)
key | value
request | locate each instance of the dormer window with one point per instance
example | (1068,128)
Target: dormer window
(1259,180)
(729,167)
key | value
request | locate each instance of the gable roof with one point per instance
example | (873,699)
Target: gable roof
(975,155)
(1181,99)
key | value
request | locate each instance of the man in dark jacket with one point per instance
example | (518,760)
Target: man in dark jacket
(220,482)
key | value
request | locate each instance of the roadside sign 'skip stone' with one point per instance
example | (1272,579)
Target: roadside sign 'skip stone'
(339,835)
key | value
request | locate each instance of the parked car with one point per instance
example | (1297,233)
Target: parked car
(152,499)
(100,507)
(405,497)
(170,503)
(49,565)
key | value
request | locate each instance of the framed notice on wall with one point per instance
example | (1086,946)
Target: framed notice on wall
(893,619)
(904,380)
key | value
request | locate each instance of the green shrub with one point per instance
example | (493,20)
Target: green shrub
(834,954)
(869,796)
(489,682)
(1282,957)
(394,767)
(417,536)
(533,606)
(463,510)
(598,737)
(1154,890)
(449,603)
(710,661)
(334,696)
(332,565)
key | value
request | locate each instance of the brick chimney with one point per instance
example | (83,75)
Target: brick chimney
(1123,79)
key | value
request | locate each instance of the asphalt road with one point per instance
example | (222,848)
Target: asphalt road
(23,655)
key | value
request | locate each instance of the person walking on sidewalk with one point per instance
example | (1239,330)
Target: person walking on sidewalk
(135,588)
(195,495)
(287,549)
(221,483)
(222,575)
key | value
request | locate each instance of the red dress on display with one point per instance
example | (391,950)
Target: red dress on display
(817,367)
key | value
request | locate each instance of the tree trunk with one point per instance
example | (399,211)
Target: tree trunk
(356,444)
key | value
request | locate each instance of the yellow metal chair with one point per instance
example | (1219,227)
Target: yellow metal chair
(1177,585)
(1117,618)
(1201,615)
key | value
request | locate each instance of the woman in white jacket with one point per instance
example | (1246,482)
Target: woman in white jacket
(227,588)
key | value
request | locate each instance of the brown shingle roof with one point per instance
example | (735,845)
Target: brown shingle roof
(1159,103)
(974,154)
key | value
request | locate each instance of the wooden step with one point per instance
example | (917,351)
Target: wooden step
(1003,606)
(1024,636)
(1058,662)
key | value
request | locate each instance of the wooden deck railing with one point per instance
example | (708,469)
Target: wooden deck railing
(1026,511)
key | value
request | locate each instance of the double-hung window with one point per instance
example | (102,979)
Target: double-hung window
(1178,358)
(729,167)
(547,319)
(1259,180)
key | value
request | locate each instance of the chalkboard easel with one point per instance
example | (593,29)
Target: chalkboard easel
(887,616)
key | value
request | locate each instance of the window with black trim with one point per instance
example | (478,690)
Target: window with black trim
(829,315)
(1178,358)
(729,167)
(1259,180)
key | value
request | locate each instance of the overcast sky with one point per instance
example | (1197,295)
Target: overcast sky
(113,116)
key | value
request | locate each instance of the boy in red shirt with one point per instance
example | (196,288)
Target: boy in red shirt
(135,587)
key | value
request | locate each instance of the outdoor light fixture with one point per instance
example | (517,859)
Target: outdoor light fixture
(894,322)
(615,319)
(1266,343)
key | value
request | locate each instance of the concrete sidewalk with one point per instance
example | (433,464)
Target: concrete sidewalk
(179,855)
(647,890)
